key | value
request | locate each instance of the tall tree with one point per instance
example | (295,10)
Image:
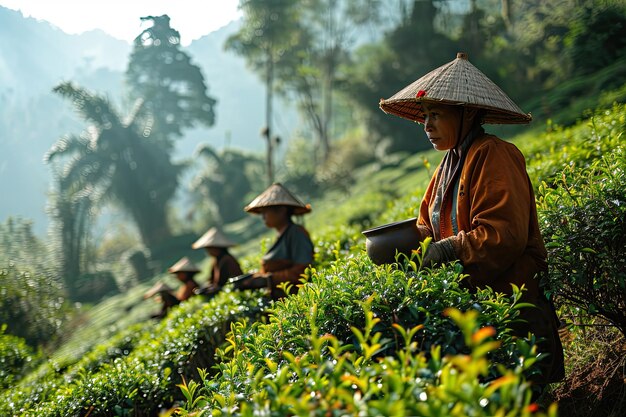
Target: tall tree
(173,88)
(114,159)
(269,30)
(327,34)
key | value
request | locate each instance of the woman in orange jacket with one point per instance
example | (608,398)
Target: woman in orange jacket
(479,207)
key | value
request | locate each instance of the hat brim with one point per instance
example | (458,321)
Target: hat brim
(297,210)
(456,83)
(213,238)
(213,245)
(412,109)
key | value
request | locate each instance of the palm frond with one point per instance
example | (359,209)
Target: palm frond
(92,107)
(68,144)
(88,169)
(207,151)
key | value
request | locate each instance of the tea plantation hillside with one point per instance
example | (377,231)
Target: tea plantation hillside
(361,339)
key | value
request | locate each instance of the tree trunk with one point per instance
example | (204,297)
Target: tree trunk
(327,88)
(72,218)
(269,94)
(153,226)
(506,13)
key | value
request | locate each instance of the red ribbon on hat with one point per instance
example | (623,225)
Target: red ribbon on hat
(420,93)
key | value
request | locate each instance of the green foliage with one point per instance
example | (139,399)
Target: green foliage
(299,48)
(598,90)
(31,297)
(373,340)
(598,30)
(15,356)
(299,173)
(93,287)
(137,371)
(584,224)
(53,376)
(324,349)
(19,245)
(357,339)
(32,307)
(269,31)
(576,147)
(314,70)
(555,58)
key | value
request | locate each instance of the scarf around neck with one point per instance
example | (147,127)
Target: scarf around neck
(449,173)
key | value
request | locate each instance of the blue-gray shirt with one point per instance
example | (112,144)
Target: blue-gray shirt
(293,245)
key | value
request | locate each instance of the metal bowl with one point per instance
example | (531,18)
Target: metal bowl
(382,243)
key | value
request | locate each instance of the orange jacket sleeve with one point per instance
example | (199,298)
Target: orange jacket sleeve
(494,227)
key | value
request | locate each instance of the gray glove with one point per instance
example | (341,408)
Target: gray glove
(439,252)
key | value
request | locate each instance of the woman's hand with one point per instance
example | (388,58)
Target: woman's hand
(256,280)
(439,253)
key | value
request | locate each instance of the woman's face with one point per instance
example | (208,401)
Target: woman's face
(442,124)
(213,251)
(274,216)
(183,276)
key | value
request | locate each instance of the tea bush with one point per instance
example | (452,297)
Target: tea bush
(339,346)
(584,224)
(52,376)
(136,373)
(576,147)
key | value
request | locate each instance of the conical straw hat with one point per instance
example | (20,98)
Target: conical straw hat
(183,265)
(277,195)
(157,288)
(457,82)
(213,238)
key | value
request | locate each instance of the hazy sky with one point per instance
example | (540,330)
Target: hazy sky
(120,18)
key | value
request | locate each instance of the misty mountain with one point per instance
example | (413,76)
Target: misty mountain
(35,56)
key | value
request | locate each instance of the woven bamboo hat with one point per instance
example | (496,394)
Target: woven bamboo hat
(157,288)
(277,195)
(458,83)
(183,265)
(213,238)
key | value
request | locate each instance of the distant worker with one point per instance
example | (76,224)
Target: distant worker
(224,264)
(184,270)
(293,251)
